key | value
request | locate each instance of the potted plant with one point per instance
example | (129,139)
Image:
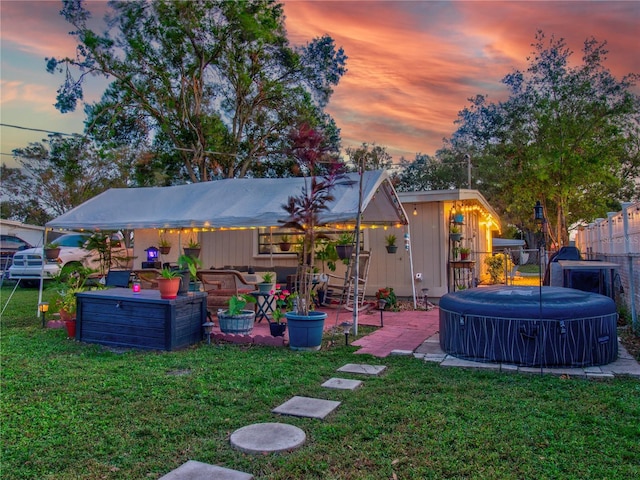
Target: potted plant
(51,251)
(267,284)
(391,244)
(285,243)
(169,283)
(236,320)
(304,210)
(192,249)
(284,300)
(458,217)
(455,233)
(189,275)
(344,245)
(464,253)
(164,246)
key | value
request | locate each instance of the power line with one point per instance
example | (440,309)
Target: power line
(37,130)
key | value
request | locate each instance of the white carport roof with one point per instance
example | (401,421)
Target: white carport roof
(231,203)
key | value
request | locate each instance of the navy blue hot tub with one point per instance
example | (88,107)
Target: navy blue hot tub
(510,325)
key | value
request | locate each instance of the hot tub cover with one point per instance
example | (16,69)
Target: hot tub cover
(524,302)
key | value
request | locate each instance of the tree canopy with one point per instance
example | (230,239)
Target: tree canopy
(211,87)
(58,175)
(567,136)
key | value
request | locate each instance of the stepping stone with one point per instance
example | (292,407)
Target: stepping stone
(342,384)
(363,368)
(261,438)
(193,470)
(307,407)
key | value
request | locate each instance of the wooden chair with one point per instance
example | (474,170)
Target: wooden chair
(148,278)
(344,292)
(221,285)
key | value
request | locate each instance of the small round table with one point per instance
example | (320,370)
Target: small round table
(265,303)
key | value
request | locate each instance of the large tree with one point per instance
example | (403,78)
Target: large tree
(212,85)
(567,136)
(59,174)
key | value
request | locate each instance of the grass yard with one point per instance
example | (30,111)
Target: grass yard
(79,411)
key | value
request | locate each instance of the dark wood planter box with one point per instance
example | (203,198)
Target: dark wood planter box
(120,318)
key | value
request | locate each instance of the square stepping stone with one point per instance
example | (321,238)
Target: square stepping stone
(342,383)
(307,407)
(363,368)
(193,470)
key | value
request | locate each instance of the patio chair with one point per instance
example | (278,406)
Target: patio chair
(344,292)
(117,278)
(148,278)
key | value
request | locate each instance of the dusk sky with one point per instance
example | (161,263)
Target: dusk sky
(412,65)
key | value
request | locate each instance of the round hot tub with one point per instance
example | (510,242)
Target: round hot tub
(520,326)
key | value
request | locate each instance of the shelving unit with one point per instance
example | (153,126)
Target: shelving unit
(460,272)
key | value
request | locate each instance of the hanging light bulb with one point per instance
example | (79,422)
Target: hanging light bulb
(415,210)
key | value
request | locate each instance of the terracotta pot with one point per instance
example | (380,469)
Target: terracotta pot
(168,287)
(51,253)
(285,246)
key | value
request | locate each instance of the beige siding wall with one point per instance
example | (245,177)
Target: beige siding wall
(429,231)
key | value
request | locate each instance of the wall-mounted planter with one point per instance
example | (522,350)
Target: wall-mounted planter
(391,248)
(458,218)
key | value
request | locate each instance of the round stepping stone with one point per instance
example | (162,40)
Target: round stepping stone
(267,438)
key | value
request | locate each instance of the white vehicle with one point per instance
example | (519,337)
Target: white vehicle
(28,264)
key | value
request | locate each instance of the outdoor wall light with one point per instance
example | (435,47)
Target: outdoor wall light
(43,308)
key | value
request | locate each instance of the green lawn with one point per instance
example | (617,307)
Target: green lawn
(74,411)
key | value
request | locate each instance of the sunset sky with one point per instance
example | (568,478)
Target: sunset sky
(412,64)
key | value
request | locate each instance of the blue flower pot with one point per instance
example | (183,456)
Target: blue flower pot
(305,331)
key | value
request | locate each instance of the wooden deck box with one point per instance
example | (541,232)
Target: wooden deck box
(120,318)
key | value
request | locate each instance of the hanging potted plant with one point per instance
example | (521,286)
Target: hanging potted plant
(169,283)
(391,244)
(305,325)
(236,320)
(344,245)
(285,243)
(51,251)
(458,217)
(192,249)
(164,246)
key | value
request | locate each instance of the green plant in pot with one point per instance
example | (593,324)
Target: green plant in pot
(267,284)
(51,251)
(345,246)
(189,272)
(391,243)
(193,248)
(285,243)
(169,283)
(455,233)
(236,319)
(164,246)
(304,215)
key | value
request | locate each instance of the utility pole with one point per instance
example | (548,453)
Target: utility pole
(468,159)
